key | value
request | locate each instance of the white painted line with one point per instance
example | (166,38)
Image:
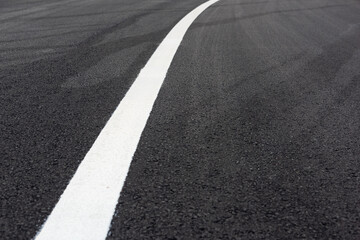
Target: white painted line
(87,205)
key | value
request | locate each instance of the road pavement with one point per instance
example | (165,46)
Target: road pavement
(254,134)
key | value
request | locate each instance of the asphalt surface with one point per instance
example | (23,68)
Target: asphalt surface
(254,135)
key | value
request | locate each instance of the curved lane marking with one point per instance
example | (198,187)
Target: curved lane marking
(86,207)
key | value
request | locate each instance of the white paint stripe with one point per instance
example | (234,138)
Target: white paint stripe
(87,205)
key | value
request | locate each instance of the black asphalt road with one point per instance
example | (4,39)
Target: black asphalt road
(254,135)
